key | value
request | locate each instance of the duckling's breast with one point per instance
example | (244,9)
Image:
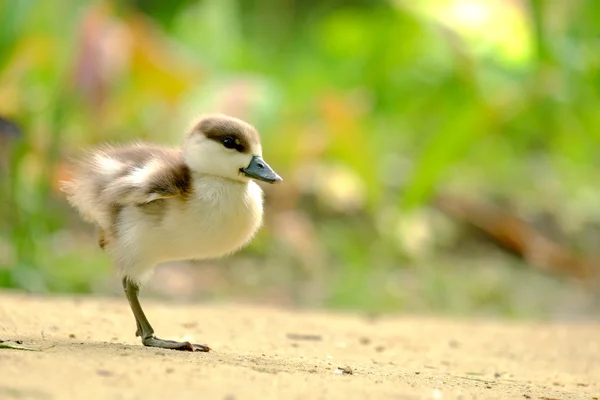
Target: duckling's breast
(220,217)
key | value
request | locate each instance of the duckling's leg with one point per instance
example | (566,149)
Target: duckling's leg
(144,329)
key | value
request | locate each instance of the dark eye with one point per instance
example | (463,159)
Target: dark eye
(229,142)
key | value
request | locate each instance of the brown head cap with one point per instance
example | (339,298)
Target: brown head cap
(231,132)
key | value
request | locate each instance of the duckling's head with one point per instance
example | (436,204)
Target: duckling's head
(227,147)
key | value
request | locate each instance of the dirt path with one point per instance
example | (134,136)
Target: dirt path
(89,351)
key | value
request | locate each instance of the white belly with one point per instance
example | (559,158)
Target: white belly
(220,218)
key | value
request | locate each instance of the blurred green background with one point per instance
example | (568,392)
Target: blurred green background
(369,109)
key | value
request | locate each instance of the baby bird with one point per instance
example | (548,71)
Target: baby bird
(153,204)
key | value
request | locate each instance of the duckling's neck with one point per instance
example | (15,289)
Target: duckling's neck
(203,178)
(234,195)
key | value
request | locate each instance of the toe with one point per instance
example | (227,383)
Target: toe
(201,347)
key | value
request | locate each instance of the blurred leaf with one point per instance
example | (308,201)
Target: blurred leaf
(15,346)
(454,138)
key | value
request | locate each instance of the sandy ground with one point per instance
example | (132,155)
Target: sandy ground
(88,350)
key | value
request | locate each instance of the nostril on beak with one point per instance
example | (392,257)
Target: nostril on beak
(260,165)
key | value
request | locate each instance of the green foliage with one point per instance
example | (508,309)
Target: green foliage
(367,108)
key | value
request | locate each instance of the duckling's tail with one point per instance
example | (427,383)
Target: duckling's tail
(80,194)
(67,187)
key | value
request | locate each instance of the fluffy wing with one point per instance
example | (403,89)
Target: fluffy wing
(120,176)
(150,173)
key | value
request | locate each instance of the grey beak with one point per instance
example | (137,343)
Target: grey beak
(259,169)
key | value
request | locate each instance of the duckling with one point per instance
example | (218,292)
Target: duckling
(153,204)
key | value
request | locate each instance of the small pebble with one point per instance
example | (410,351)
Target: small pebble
(299,336)
(344,371)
